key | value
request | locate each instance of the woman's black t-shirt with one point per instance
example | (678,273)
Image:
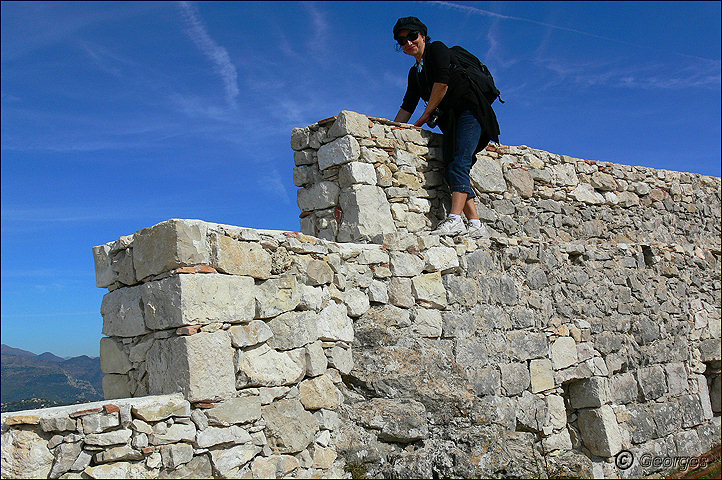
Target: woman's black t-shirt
(435,67)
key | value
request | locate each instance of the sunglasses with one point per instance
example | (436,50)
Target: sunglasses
(408,38)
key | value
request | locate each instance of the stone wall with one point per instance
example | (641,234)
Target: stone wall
(574,331)
(362,177)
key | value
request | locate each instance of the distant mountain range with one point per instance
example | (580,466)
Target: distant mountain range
(45,380)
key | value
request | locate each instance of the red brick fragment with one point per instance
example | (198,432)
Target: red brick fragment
(81,413)
(148,450)
(291,234)
(205,405)
(304,214)
(338,213)
(110,408)
(203,268)
(188,330)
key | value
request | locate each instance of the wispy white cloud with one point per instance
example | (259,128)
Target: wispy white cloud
(318,41)
(218,55)
(105,59)
(489,13)
(272,183)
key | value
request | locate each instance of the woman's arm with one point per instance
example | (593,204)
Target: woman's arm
(403,116)
(437,94)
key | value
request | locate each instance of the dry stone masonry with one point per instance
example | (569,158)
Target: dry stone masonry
(587,323)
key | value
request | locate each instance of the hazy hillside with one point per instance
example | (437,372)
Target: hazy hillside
(31,381)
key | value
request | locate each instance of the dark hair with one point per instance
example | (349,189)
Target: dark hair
(399,48)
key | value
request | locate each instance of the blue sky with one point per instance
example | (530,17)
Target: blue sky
(116,116)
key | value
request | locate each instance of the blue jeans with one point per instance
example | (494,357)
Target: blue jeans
(468,133)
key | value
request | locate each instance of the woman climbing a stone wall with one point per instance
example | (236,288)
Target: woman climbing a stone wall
(460,110)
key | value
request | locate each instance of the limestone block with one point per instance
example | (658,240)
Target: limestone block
(241,258)
(525,345)
(652,382)
(350,123)
(499,410)
(356,302)
(334,324)
(357,172)
(178,432)
(485,380)
(316,361)
(289,427)
(160,408)
(25,454)
(99,422)
(212,436)
(122,314)
(115,386)
(112,357)
(563,352)
(318,196)
(710,350)
(253,333)
(589,392)
(57,424)
(400,292)
(486,176)
(404,264)
(378,292)
(564,174)
(557,441)
(122,265)
(66,456)
(318,272)
(138,351)
(372,256)
(340,358)
(627,199)
(395,420)
(532,412)
(319,392)
(235,411)
(293,330)
(542,375)
(600,431)
(557,411)
(429,289)
(441,259)
(116,437)
(198,299)
(623,388)
(366,213)
(427,322)
(104,274)
(200,366)
(603,181)
(342,150)
(226,460)
(300,138)
(122,453)
(173,456)
(521,181)
(514,378)
(677,381)
(266,367)
(168,245)
(274,466)
(276,296)
(585,193)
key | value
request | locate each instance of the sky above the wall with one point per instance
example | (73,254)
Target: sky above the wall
(117,116)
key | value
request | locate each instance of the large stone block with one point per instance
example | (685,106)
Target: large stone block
(350,123)
(600,431)
(115,386)
(289,427)
(25,454)
(542,375)
(652,382)
(525,345)
(263,366)
(241,258)
(366,213)
(198,299)
(293,330)
(168,245)
(200,366)
(104,274)
(317,197)
(235,411)
(276,296)
(342,150)
(122,313)
(563,352)
(589,392)
(428,289)
(486,176)
(112,357)
(356,172)
(334,324)
(319,392)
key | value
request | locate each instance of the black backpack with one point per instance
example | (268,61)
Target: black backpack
(478,74)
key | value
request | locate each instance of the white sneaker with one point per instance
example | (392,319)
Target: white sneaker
(478,232)
(450,226)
